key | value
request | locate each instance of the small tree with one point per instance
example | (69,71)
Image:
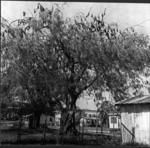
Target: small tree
(104,109)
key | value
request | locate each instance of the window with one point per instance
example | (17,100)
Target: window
(94,115)
(113,120)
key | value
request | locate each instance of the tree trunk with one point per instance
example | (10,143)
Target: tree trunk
(31,122)
(74,123)
(34,121)
(37,120)
(68,123)
(62,130)
(101,128)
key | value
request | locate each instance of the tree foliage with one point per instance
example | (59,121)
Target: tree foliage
(55,59)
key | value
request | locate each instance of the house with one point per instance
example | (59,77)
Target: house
(46,119)
(57,118)
(91,117)
(135,119)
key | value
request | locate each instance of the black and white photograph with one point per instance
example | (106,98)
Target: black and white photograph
(75,74)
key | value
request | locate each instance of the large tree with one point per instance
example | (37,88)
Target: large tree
(58,58)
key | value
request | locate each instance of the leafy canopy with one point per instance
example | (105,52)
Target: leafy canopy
(55,59)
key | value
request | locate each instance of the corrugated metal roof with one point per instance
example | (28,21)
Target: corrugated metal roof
(135,100)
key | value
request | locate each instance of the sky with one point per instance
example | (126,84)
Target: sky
(125,15)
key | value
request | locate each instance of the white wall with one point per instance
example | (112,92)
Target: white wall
(137,117)
(142,128)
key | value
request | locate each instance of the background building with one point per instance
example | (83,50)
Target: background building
(135,120)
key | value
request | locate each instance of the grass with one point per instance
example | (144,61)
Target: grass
(32,136)
(51,139)
(136,145)
(65,146)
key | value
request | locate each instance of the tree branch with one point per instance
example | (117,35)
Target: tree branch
(80,76)
(87,86)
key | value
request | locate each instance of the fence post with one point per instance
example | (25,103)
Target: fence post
(83,131)
(57,138)
(79,133)
(44,132)
(0,117)
(133,134)
(58,134)
(0,125)
(97,130)
(19,130)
